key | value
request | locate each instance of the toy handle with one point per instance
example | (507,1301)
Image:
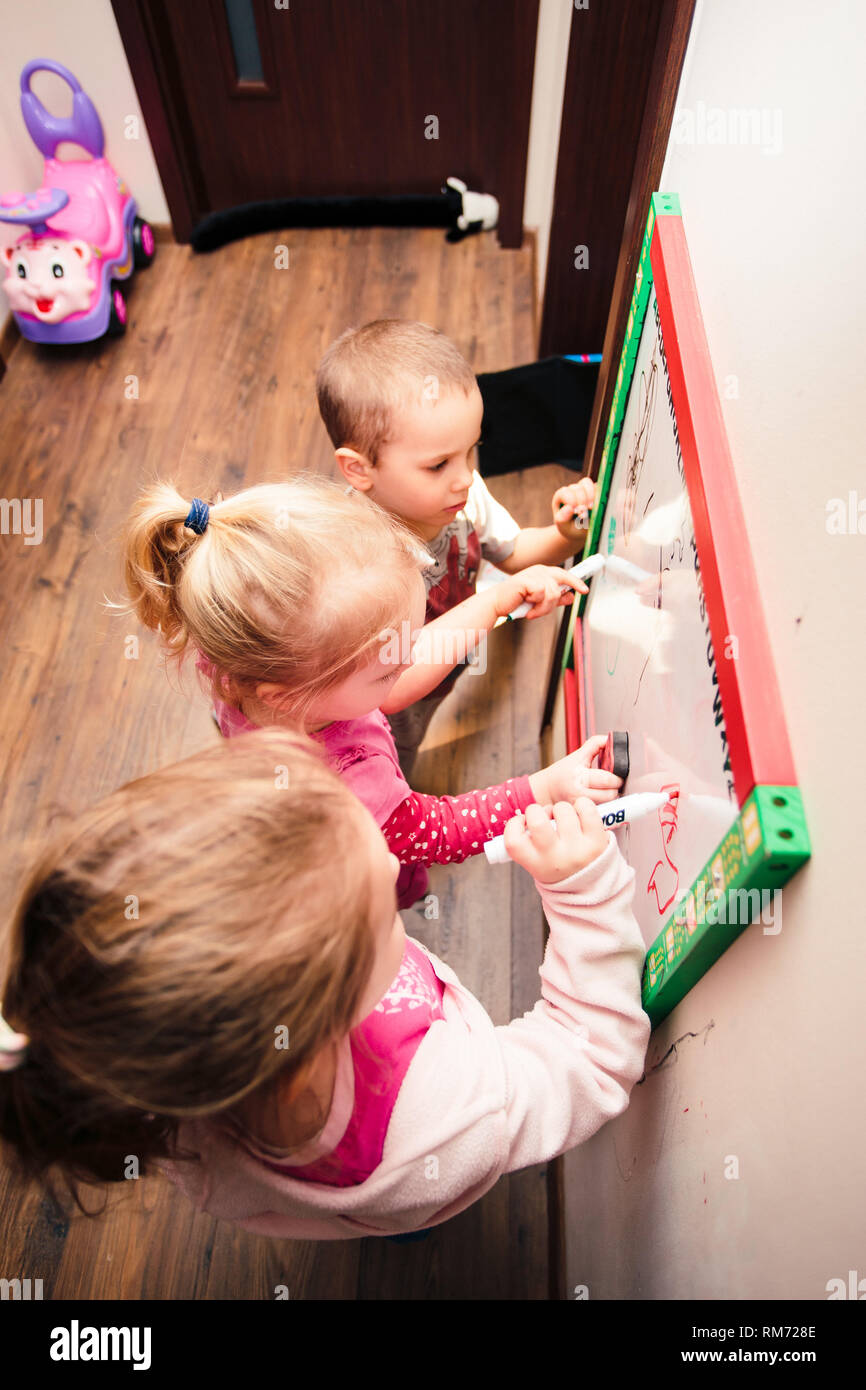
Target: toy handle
(46,131)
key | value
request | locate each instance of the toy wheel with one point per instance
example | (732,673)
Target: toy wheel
(117,316)
(143,244)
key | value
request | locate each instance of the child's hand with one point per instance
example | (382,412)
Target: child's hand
(539,585)
(574,776)
(571,506)
(553,843)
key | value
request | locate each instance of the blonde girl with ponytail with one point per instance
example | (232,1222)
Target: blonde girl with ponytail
(290,595)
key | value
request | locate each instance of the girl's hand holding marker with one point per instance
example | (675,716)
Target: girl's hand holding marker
(536,590)
(619,812)
(594,564)
(554,842)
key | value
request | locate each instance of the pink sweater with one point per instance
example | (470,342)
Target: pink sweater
(477,1100)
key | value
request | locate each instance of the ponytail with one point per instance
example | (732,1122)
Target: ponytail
(158,542)
(289,583)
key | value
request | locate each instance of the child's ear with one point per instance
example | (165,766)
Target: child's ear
(270,694)
(293,1087)
(355,468)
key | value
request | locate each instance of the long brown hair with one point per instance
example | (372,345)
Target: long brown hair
(171,941)
(291,583)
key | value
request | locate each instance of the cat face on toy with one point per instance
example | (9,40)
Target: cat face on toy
(48,278)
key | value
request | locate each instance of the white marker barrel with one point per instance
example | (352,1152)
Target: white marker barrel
(613,814)
(585,570)
(614,564)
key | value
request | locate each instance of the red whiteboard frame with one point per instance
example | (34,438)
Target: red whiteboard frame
(769,840)
(757,738)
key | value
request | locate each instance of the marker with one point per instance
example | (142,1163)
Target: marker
(614,564)
(613,813)
(581,517)
(593,564)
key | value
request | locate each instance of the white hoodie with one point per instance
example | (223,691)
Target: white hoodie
(477,1100)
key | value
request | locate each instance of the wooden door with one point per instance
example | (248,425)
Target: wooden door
(248,100)
(606,81)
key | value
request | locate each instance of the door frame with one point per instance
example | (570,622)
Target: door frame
(675,22)
(147,43)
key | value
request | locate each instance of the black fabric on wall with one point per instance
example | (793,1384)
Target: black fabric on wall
(384,210)
(536,414)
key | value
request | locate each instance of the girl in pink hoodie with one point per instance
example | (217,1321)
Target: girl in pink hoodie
(208,971)
(302,604)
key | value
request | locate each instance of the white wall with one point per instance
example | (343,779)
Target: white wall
(83,36)
(548,89)
(769,1046)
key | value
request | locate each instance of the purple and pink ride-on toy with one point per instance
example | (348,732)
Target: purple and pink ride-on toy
(84,234)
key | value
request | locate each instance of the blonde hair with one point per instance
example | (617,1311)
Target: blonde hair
(241,927)
(290,583)
(366,375)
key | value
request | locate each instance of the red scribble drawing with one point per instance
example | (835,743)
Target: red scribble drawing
(666,876)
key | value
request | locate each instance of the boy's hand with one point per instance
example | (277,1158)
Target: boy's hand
(574,776)
(571,506)
(552,843)
(539,585)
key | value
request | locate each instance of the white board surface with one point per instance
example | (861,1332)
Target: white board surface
(649,660)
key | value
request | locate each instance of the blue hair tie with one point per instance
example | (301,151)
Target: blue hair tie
(199,514)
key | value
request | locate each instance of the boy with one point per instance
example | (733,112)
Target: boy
(403,410)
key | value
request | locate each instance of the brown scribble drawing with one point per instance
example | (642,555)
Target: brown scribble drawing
(646,413)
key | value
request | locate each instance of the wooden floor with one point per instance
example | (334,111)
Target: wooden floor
(212,387)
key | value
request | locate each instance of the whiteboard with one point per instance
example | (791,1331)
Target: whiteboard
(649,660)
